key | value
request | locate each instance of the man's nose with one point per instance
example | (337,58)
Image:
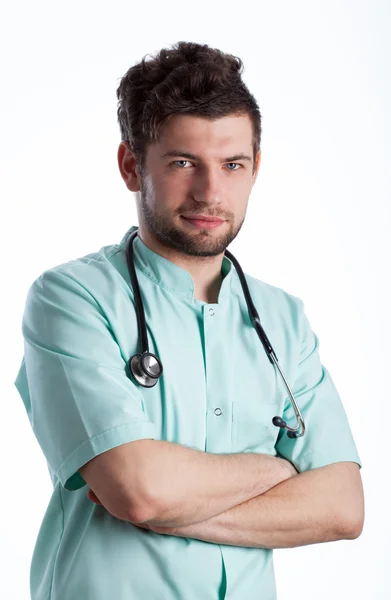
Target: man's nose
(208,186)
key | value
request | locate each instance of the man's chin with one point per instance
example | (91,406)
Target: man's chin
(198,245)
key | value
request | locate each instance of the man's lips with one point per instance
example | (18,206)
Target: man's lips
(204,222)
(202,218)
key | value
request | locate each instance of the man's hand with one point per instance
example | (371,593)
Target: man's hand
(93,497)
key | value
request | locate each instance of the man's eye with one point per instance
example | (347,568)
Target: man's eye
(180,161)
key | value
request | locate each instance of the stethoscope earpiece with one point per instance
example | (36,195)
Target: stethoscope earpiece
(278,422)
(291,433)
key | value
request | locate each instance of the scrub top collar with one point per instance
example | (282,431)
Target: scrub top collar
(170,276)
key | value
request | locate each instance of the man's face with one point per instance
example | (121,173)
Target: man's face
(199,167)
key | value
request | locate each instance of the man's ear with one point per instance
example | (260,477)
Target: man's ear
(256,166)
(128,167)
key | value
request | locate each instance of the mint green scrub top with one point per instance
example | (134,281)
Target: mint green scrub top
(218,393)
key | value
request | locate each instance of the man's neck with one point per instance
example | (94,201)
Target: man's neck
(209,294)
(204,270)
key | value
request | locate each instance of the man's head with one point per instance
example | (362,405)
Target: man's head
(191,136)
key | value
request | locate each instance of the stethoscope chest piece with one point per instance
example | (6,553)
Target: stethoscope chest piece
(146,368)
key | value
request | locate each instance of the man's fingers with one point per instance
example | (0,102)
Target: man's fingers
(93,497)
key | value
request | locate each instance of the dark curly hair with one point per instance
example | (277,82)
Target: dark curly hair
(188,78)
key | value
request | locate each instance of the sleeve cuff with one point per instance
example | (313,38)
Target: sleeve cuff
(68,474)
(309,460)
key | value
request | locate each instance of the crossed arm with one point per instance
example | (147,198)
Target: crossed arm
(322,505)
(252,500)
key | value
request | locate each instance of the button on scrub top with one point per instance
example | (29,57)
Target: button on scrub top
(218,393)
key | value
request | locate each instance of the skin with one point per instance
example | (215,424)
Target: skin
(320,505)
(209,185)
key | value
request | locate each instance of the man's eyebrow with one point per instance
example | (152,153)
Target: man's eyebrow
(173,153)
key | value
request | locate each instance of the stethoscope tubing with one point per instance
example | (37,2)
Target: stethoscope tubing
(137,360)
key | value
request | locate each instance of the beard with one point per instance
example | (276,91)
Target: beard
(203,243)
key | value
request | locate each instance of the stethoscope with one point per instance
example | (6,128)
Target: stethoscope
(146,368)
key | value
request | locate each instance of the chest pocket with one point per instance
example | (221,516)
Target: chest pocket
(252,427)
(259,397)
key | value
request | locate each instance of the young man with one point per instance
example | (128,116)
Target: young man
(182,489)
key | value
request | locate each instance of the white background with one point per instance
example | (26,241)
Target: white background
(318,222)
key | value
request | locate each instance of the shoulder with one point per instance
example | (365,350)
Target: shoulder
(93,274)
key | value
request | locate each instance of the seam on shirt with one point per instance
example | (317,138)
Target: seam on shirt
(97,257)
(104,432)
(162,285)
(59,542)
(88,292)
(88,361)
(184,295)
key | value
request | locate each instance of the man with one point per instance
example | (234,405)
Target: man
(180,490)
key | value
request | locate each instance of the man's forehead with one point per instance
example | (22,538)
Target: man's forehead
(194,134)
(196,124)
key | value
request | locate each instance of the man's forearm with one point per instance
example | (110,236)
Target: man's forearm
(191,486)
(322,505)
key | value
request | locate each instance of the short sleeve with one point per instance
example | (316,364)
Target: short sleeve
(73,378)
(328,437)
